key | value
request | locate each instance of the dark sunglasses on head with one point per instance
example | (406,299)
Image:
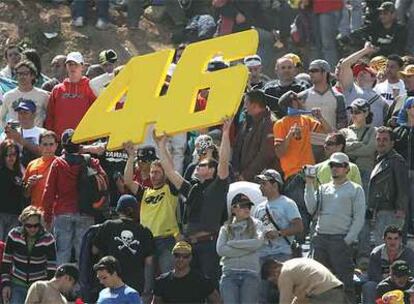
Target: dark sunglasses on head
(29,226)
(245,206)
(337,165)
(181,255)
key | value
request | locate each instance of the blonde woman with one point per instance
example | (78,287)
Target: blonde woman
(29,256)
(238,243)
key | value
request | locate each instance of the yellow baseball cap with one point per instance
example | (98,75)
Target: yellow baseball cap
(182,246)
(295,58)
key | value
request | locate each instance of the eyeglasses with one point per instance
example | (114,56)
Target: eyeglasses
(337,165)
(31,226)
(330,143)
(47,144)
(315,70)
(202,165)
(26,73)
(181,256)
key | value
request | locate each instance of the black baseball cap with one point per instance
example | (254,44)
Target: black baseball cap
(270,175)
(68,269)
(400,268)
(241,199)
(146,154)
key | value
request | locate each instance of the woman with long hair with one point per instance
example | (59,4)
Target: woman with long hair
(238,243)
(11,186)
(29,256)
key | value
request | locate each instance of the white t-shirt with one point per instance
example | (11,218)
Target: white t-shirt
(31,135)
(99,83)
(13,97)
(385,89)
(326,102)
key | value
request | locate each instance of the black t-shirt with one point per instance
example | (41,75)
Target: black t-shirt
(130,243)
(276,90)
(11,190)
(192,288)
(205,205)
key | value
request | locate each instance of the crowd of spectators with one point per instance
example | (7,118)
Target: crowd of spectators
(319,154)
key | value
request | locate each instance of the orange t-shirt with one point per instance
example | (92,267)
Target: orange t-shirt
(299,151)
(38,166)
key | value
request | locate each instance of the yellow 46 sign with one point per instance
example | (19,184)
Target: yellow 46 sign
(142,79)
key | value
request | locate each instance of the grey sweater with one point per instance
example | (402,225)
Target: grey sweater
(341,211)
(240,252)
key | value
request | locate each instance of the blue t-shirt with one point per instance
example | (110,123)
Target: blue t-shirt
(283,211)
(121,295)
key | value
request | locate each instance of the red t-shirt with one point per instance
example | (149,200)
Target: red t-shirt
(326,6)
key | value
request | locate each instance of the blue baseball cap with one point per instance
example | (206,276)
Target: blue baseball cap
(26,105)
(126,201)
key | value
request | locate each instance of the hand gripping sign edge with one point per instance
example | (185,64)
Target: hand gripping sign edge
(142,79)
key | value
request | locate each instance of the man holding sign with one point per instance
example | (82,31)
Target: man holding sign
(205,204)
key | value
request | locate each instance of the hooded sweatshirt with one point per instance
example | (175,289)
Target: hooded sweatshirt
(68,103)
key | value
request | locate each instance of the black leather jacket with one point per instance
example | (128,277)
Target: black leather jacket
(388,186)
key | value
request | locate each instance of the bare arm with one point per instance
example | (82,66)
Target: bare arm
(281,146)
(176,179)
(295,227)
(129,168)
(346,77)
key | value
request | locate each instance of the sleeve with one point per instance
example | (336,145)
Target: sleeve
(358,217)
(252,244)
(382,288)
(100,239)
(355,175)
(149,241)
(292,212)
(374,267)
(35,294)
(51,258)
(265,152)
(341,115)
(49,193)
(310,198)
(285,286)
(400,41)
(207,287)
(91,95)
(173,190)
(50,112)
(134,298)
(279,131)
(223,249)
(159,287)
(400,172)
(362,148)
(185,189)
(41,116)
(7,261)
(4,109)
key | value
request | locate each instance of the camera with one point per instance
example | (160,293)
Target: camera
(310,171)
(14,124)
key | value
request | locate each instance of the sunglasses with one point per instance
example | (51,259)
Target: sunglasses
(30,226)
(336,165)
(315,71)
(181,256)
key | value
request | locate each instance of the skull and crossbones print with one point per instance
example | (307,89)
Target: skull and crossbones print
(127,239)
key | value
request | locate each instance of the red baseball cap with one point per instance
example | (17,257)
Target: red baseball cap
(359,67)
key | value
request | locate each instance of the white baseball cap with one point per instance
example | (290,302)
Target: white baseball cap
(75,57)
(339,158)
(251,61)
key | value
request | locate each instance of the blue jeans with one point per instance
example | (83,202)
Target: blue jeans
(369,292)
(69,230)
(206,260)
(239,287)
(80,9)
(351,20)
(18,294)
(7,223)
(326,29)
(163,247)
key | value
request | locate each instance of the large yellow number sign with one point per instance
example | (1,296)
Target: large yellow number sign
(142,79)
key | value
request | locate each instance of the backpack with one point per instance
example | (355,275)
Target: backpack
(93,188)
